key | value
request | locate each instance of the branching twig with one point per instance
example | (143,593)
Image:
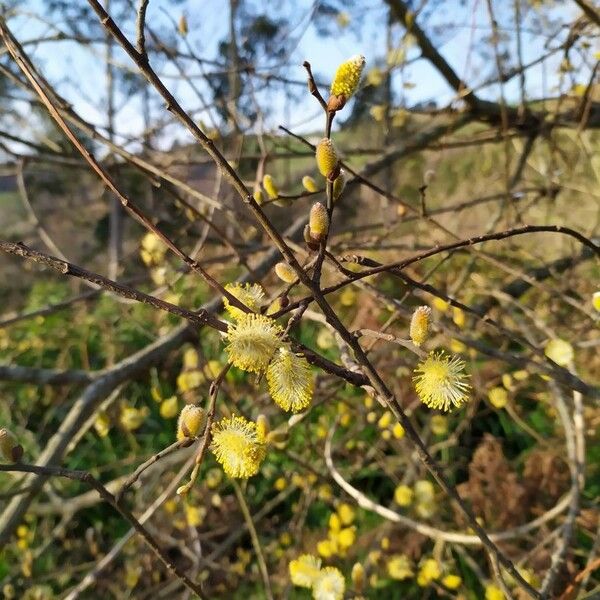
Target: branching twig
(88,479)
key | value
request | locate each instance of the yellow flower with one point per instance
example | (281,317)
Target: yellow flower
(304,570)
(252,341)
(168,408)
(285,272)
(250,295)
(309,184)
(403,495)
(440,304)
(493,592)
(325,492)
(424,490)
(428,572)
(385,420)
(280,484)
(419,325)
(375,77)
(335,524)
(329,585)
(191,360)
(440,381)
(238,446)
(318,222)
(398,431)
(10,449)
(596,301)
(290,380)
(191,421)
(195,515)
(348,297)
(131,418)
(439,424)
(399,567)
(560,351)
(189,380)
(347,77)
(452,582)
(346,537)
(458,316)
(498,397)
(521,375)
(326,548)
(270,187)
(153,249)
(457,346)
(327,157)
(102,424)
(213,478)
(346,514)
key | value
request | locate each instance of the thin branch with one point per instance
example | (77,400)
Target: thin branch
(140,24)
(87,478)
(453,537)
(38,376)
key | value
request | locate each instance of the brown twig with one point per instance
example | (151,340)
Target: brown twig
(88,479)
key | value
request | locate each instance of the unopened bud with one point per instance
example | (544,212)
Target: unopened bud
(183,26)
(327,159)
(358,577)
(285,272)
(10,448)
(191,421)
(270,187)
(259,197)
(339,184)
(419,325)
(278,304)
(262,426)
(318,222)
(278,438)
(428,176)
(310,242)
(309,184)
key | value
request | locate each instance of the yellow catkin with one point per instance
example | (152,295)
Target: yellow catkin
(329,585)
(419,325)
(252,341)
(304,570)
(259,197)
(440,381)
(347,77)
(239,446)
(191,421)
(308,183)
(285,272)
(327,157)
(318,222)
(290,380)
(249,294)
(270,187)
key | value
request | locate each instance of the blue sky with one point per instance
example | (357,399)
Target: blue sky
(79,73)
